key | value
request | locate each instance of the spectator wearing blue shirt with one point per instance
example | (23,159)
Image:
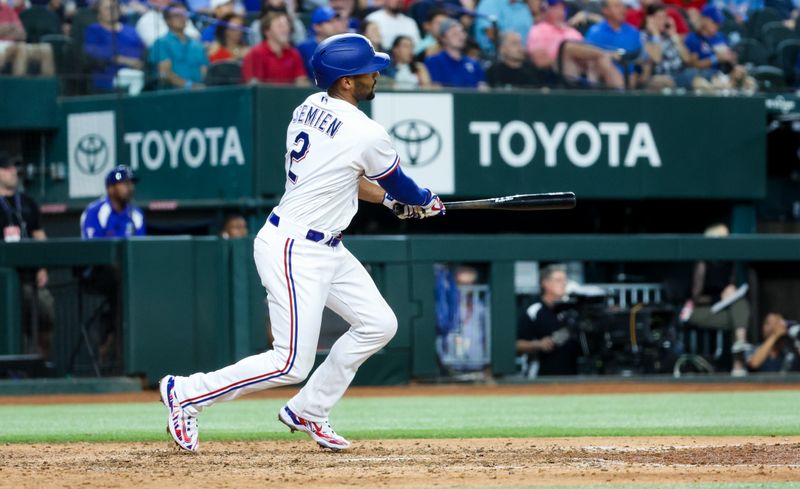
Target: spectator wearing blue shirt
(113,216)
(709,47)
(114,47)
(451,68)
(613,33)
(325,22)
(511,15)
(181,61)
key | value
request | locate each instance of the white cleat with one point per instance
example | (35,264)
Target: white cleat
(322,433)
(180,425)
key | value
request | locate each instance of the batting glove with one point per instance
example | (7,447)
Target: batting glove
(432,207)
(402,211)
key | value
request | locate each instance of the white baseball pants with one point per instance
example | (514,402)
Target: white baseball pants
(301,278)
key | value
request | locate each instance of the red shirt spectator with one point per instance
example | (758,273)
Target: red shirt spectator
(635,17)
(221,54)
(9,17)
(275,60)
(687,4)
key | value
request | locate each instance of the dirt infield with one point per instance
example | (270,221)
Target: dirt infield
(591,387)
(476,463)
(406,463)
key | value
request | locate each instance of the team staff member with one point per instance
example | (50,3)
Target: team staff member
(541,334)
(330,147)
(20,220)
(113,216)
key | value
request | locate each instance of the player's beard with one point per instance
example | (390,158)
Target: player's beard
(365,89)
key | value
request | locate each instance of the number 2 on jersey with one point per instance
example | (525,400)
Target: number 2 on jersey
(301,146)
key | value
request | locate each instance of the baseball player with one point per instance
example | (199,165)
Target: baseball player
(331,146)
(114,216)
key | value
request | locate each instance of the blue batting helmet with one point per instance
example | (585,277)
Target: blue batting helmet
(120,173)
(345,55)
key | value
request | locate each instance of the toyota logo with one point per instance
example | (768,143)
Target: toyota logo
(91,154)
(418,142)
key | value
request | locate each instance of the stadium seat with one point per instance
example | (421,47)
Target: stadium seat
(773,34)
(62,51)
(769,78)
(224,73)
(759,18)
(752,52)
(38,22)
(788,52)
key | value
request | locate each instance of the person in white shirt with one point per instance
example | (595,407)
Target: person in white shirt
(151,25)
(392,23)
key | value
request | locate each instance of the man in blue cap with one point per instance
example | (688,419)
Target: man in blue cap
(113,216)
(708,47)
(325,22)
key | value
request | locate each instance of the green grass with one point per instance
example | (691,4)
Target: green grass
(692,414)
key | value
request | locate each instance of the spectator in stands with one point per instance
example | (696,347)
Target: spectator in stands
(405,72)
(20,220)
(116,50)
(780,350)
(234,227)
(541,335)
(709,47)
(371,31)
(451,68)
(614,34)
(513,68)
(712,55)
(152,25)
(275,60)
(113,215)
(635,16)
(230,40)
(552,37)
(429,45)
(510,15)
(38,20)
(392,23)
(299,31)
(181,61)
(325,22)
(347,13)
(713,282)
(667,56)
(219,9)
(14,51)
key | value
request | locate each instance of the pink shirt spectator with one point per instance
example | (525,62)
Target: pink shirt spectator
(547,36)
(8,16)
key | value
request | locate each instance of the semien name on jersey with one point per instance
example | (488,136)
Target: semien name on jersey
(319,119)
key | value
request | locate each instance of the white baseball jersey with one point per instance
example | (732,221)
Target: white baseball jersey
(330,144)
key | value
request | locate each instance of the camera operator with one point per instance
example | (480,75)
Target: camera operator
(542,335)
(779,351)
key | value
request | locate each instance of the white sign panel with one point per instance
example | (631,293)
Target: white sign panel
(421,126)
(91,150)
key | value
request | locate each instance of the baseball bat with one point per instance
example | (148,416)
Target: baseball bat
(524,202)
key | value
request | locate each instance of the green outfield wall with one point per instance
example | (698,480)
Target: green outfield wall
(194,304)
(224,145)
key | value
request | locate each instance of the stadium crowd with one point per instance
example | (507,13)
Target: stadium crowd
(133,45)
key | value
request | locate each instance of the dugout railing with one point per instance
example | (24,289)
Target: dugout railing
(196,303)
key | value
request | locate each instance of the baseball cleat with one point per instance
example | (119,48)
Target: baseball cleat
(321,432)
(181,425)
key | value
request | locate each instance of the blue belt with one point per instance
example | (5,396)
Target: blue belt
(311,235)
